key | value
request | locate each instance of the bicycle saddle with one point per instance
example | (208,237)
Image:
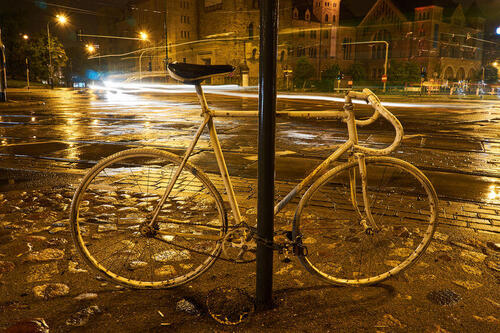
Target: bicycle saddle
(192,73)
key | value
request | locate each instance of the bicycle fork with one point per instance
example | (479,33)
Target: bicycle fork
(366,220)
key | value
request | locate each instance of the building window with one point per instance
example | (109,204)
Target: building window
(326,17)
(254,54)
(282,56)
(250,31)
(347,48)
(308,15)
(333,19)
(295,13)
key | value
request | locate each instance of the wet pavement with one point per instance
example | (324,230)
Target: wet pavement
(45,149)
(455,146)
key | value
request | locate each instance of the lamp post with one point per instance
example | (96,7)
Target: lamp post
(62,20)
(143,36)
(91,49)
(386,53)
(26,37)
(3,72)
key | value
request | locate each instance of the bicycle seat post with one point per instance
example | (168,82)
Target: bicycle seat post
(201,97)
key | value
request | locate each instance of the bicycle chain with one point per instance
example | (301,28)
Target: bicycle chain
(297,244)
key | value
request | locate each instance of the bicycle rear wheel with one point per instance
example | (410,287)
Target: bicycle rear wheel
(113,205)
(331,221)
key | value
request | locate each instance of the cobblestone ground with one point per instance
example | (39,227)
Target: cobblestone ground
(453,288)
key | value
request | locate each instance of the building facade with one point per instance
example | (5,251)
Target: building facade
(438,35)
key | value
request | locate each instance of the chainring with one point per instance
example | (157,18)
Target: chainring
(239,245)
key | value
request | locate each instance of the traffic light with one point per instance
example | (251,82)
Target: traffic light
(340,76)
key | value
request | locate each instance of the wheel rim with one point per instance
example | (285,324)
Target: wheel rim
(111,210)
(340,249)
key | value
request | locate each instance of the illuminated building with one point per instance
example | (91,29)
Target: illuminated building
(439,35)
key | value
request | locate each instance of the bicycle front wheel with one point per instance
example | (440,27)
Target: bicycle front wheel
(112,210)
(342,245)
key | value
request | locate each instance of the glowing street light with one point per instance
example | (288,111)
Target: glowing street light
(61,19)
(143,35)
(90,48)
(25,37)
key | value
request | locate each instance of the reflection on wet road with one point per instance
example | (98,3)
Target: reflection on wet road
(455,145)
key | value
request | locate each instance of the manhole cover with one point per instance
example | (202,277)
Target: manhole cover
(229,306)
(443,297)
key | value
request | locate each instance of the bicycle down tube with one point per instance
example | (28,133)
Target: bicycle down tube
(351,144)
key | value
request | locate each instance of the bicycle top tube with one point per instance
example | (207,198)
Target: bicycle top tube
(195,74)
(367,95)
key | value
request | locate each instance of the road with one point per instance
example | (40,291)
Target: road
(45,149)
(457,145)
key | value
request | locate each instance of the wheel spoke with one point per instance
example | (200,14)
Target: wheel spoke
(339,246)
(122,189)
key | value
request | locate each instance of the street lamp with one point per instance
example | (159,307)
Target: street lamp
(61,19)
(143,36)
(90,48)
(26,37)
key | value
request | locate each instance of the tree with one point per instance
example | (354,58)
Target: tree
(490,74)
(401,72)
(302,72)
(331,73)
(39,56)
(358,72)
(328,78)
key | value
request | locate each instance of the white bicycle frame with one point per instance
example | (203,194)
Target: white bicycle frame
(347,115)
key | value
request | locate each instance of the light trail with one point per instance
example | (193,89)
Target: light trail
(236,91)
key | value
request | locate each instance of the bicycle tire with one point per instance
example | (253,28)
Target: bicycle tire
(115,200)
(340,249)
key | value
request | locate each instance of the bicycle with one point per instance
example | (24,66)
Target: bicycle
(147,218)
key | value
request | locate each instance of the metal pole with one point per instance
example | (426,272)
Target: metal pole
(386,52)
(385,63)
(3,72)
(166,36)
(51,81)
(140,66)
(267,125)
(27,73)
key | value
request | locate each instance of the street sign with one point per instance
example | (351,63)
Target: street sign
(384,78)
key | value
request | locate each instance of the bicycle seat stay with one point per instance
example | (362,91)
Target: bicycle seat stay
(193,73)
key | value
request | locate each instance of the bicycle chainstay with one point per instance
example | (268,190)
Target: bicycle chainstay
(287,247)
